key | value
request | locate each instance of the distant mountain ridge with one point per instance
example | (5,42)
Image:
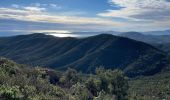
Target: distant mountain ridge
(147,38)
(165,32)
(160,41)
(85,54)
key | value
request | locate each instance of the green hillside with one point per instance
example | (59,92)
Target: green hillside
(161,42)
(84,54)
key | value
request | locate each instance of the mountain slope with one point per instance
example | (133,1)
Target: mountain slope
(159,41)
(164,46)
(135,58)
(152,39)
(165,32)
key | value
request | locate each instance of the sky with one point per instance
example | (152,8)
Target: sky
(64,16)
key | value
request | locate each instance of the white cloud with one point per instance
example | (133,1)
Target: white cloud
(37,14)
(139,9)
(55,6)
(52,5)
(142,15)
(34,9)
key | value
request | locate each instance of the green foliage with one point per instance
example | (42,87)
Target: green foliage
(94,85)
(80,92)
(69,78)
(155,87)
(110,82)
(18,82)
(21,83)
(11,93)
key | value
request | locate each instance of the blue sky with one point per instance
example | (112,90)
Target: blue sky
(28,16)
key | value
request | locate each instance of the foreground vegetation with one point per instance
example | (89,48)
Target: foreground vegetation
(155,87)
(18,82)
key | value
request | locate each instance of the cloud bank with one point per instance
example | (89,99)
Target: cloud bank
(131,15)
(139,9)
(38,14)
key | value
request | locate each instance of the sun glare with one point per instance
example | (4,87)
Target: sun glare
(64,35)
(57,33)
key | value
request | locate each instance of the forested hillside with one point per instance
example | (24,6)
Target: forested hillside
(161,42)
(85,54)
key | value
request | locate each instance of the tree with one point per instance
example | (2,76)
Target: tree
(115,82)
(10,93)
(94,85)
(80,92)
(69,78)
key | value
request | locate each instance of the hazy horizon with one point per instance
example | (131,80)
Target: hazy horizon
(80,33)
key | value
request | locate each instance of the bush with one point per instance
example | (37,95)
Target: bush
(11,93)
